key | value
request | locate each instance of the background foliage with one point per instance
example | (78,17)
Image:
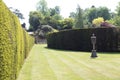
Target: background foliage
(81,18)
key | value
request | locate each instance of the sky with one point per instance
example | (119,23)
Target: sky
(66,6)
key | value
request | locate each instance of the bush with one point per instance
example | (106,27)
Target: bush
(80,39)
(15,43)
(98,21)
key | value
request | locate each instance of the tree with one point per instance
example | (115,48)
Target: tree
(116,17)
(72,15)
(115,21)
(92,14)
(43,31)
(79,18)
(103,12)
(68,23)
(57,9)
(34,19)
(57,17)
(42,7)
(54,11)
(51,16)
(85,18)
(118,9)
(17,13)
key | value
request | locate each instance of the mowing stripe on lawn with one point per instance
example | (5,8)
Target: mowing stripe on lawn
(99,66)
(26,69)
(39,70)
(50,64)
(63,71)
(81,69)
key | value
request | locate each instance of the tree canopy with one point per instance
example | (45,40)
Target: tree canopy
(34,19)
(42,7)
(17,13)
(79,19)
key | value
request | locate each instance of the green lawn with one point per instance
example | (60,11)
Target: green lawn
(50,64)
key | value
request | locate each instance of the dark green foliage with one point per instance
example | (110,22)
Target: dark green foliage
(34,20)
(118,9)
(68,23)
(42,7)
(54,11)
(94,12)
(107,39)
(17,13)
(103,12)
(79,18)
(80,39)
(45,29)
(14,44)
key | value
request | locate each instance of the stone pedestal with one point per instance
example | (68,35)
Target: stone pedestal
(94,54)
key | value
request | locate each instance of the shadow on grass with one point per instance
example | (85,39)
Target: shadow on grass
(68,50)
(81,51)
(109,52)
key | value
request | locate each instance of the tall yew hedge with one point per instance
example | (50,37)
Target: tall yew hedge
(108,39)
(15,44)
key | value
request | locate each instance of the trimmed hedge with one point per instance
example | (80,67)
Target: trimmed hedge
(80,39)
(15,44)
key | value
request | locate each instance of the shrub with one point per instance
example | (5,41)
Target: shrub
(98,21)
(106,24)
(79,39)
(14,44)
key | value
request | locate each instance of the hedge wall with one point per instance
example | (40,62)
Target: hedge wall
(80,39)
(15,44)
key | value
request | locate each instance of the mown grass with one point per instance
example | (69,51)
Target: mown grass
(50,64)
